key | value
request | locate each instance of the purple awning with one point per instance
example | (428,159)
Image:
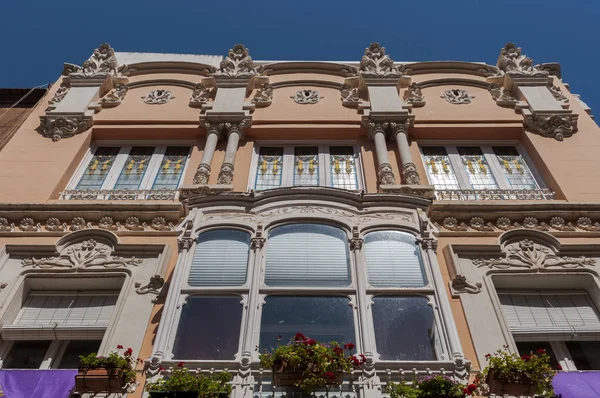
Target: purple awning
(577,384)
(37,383)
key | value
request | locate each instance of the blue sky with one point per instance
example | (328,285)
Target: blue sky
(40,35)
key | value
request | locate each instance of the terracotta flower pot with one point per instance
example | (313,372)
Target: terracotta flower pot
(284,377)
(99,380)
(513,386)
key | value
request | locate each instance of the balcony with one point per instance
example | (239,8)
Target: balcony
(119,194)
(494,194)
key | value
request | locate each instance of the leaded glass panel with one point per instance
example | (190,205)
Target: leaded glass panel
(98,168)
(269,171)
(514,167)
(477,169)
(439,169)
(306,166)
(135,167)
(171,167)
(343,167)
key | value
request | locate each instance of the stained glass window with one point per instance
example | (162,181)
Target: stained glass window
(439,168)
(306,166)
(98,168)
(270,164)
(514,167)
(477,169)
(343,167)
(171,167)
(135,167)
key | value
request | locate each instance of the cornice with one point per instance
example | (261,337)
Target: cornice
(145,68)
(455,81)
(319,67)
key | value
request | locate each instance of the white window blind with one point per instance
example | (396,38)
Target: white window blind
(393,260)
(550,316)
(307,255)
(220,258)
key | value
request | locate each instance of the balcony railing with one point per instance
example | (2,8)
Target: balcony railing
(494,194)
(119,194)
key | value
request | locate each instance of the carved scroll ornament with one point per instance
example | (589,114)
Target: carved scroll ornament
(375,63)
(237,63)
(515,63)
(101,63)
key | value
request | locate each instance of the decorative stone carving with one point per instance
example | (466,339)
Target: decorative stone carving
(186,241)
(560,224)
(429,244)
(54,224)
(586,224)
(237,63)
(134,224)
(58,97)
(200,96)
(59,127)
(28,225)
(516,64)
(114,96)
(88,253)
(504,223)
(582,103)
(107,223)
(452,224)
(460,285)
(160,224)
(5,226)
(202,174)
(557,126)
(414,96)
(349,96)
(153,286)
(101,64)
(78,223)
(528,254)
(356,242)
(158,97)
(386,175)
(263,96)
(503,96)
(410,174)
(457,96)
(479,224)
(557,94)
(306,97)
(532,223)
(226,174)
(375,63)
(258,241)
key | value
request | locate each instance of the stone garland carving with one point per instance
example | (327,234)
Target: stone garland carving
(503,96)
(414,96)
(134,224)
(557,94)
(459,285)
(237,63)
(101,63)
(479,224)
(263,96)
(158,97)
(410,174)
(53,224)
(59,127)
(306,97)
(28,225)
(88,253)
(514,63)
(5,226)
(153,286)
(557,126)
(457,96)
(114,96)
(79,223)
(375,63)
(504,224)
(200,96)
(160,224)
(308,210)
(528,254)
(59,95)
(349,96)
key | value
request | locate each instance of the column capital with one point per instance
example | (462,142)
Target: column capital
(429,244)
(235,128)
(213,127)
(401,126)
(376,127)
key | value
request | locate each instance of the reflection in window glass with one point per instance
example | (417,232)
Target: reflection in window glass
(26,355)
(514,167)
(135,167)
(209,328)
(98,168)
(75,348)
(171,167)
(393,260)
(404,328)
(585,354)
(321,318)
(269,171)
(477,169)
(306,166)
(343,167)
(439,169)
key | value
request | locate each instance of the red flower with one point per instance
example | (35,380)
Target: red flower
(525,357)
(363,358)
(299,337)
(472,387)
(161,369)
(329,375)
(488,355)
(355,360)
(466,391)
(541,351)
(349,346)
(181,364)
(119,347)
(338,350)
(559,367)
(310,342)
(128,352)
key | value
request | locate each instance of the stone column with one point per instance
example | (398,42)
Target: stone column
(410,175)
(234,134)
(384,170)
(213,133)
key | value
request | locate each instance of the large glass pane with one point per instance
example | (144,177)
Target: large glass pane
(477,169)
(307,255)
(393,260)
(323,319)
(75,348)
(209,328)
(26,355)
(343,167)
(585,354)
(98,168)
(269,170)
(514,167)
(171,167)
(135,167)
(404,328)
(306,166)
(527,347)
(220,258)
(439,169)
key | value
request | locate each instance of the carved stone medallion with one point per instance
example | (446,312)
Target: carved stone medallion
(158,97)
(306,97)
(457,96)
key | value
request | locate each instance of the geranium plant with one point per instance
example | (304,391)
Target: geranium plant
(431,386)
(319,363)
(113,363)
(181,379)
(534,369)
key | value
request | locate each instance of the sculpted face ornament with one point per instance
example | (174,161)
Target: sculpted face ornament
(306,97)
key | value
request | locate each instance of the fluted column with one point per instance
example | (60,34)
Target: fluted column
(410,175)
(234,134)
(384,170)
(213,133)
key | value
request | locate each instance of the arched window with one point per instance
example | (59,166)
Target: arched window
(307,255)
(220,259)
(393,260)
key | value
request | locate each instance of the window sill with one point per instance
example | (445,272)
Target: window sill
(494,194)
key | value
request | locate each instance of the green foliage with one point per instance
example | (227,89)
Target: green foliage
(318,362)
(182,380)
(431,386)
(402,390)
(114,363)
(534,368)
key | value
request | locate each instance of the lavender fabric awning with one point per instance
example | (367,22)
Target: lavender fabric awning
(37,383)
(577,384)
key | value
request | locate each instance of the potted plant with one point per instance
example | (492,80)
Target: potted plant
(110,373)
(432,387)
(309,365)
(509,373)
(181,383)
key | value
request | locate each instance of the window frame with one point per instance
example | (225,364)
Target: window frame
(287,174)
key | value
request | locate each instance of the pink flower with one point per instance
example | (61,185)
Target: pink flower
(349,346)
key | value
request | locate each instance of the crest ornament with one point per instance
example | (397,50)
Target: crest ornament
(375,63)
(158,97)
(237,63)
(457,96)
(557,126)
(306,97)
(59,127)
(515,63)
(101,63)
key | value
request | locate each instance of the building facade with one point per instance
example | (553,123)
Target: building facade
(195,208)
